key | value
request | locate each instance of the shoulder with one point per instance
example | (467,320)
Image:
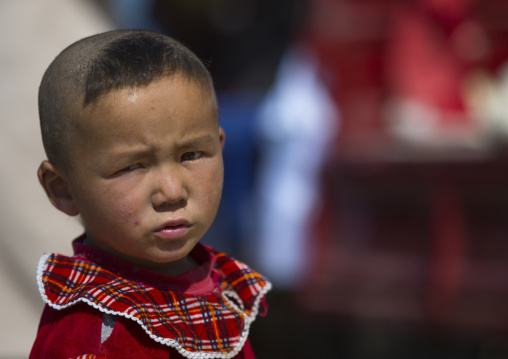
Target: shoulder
(239,279)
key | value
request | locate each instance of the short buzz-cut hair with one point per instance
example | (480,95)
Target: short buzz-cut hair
(99,64)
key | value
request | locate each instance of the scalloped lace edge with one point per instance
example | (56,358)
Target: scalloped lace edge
(166,341)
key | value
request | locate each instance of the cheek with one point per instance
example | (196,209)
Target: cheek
(122,206)
(111,205)
(124,209)
(127,209)
(212,189)
(125,213)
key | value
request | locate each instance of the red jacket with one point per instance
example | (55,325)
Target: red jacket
(204,313)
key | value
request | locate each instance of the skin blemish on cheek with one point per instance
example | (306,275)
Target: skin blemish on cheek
(136,222)
(125,211)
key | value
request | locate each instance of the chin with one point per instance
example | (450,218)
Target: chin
(170,256)
(175,249)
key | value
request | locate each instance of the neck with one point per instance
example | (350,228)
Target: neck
(177,267)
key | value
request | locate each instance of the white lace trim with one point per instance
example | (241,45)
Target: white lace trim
(166,341)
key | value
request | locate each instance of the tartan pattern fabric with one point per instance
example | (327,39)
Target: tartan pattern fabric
(215,325)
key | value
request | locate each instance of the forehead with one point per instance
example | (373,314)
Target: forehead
(175,105)
(173,94)
(199,89)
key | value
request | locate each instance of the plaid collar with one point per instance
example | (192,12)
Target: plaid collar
(211,324)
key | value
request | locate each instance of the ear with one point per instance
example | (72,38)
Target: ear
(222,137)
(57,189)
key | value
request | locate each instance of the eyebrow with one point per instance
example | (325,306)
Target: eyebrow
(131,154)
(128,155)
(197,141)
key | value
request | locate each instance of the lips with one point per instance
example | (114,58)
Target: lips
(174,229)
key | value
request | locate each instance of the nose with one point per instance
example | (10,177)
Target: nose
(170,190)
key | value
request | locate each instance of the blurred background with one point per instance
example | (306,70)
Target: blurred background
(366,165)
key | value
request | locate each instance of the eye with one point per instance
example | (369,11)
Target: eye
(131,168)
(189,156)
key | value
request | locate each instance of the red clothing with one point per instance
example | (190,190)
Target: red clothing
(204,313)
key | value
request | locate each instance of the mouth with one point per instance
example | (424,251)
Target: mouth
(173,229)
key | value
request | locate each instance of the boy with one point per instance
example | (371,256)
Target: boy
(129,123)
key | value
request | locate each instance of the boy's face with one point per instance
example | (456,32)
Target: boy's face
(148,172)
